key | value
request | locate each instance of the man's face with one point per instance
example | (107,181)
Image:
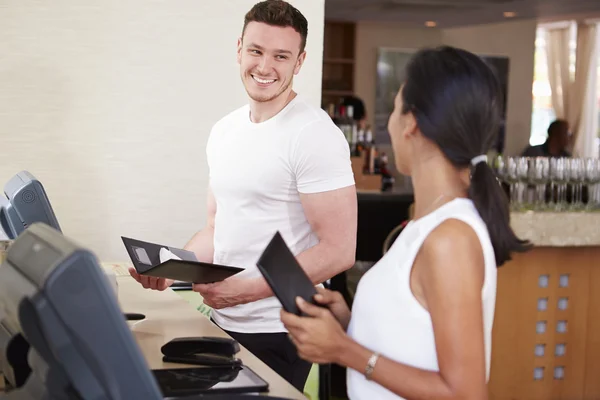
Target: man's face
(269,57)
(561,136)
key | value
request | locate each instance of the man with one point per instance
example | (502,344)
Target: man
(557,143)
(276,164)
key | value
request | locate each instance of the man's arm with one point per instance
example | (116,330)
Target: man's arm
(202,243)
(333,218)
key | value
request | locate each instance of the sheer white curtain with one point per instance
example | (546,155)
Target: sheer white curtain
(573,99)
(557,52)
(586,127)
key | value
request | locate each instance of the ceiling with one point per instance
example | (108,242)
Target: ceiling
(453,13)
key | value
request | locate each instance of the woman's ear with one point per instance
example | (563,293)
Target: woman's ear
(410,125)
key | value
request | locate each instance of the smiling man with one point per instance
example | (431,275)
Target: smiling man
(276,164)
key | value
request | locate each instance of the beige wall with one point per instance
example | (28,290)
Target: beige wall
(110,103)
(517,41)
(369,37)
(513,39)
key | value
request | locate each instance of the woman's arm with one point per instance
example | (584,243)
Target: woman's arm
(450,271)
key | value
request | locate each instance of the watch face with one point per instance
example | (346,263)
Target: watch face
(371,365)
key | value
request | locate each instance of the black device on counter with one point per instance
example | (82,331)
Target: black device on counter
(221,371)
(205,350)
(178,382)
(26,203)
(55,295)
(284,275)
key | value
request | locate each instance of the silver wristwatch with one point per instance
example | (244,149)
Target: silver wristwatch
(371,365)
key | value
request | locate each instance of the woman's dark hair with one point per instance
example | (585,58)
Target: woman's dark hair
(456,100)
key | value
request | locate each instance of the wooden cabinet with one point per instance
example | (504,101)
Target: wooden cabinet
(338,61)
(546,336)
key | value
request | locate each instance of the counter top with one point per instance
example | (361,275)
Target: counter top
(169,316)
(557,229)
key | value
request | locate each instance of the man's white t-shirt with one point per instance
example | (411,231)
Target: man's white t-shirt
(257,172)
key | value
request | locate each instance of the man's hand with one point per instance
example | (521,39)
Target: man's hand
(151,282)
(228,293)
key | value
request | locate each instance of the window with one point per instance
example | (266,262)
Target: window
(598,90)
(543,113)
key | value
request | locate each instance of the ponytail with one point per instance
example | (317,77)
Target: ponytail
(492,204)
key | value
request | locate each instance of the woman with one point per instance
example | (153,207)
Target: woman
(422,317)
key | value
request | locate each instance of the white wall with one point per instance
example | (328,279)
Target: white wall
(109,105)
(515,40)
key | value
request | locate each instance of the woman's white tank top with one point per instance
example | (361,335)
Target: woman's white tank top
(387,318)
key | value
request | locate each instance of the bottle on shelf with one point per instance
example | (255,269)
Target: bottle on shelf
(353,128)
(387,179)
(343,123)
(342,116)
(360,143)
(332,111)
(370,152)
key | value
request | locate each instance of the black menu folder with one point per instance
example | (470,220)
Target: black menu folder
(284,275)
(146,261)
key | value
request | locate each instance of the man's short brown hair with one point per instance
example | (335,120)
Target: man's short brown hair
(278,13)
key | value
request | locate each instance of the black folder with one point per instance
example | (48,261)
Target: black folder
(146,261)
(284,275)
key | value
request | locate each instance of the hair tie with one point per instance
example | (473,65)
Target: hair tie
(478,159)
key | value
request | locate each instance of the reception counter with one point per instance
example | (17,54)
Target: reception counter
(546,337)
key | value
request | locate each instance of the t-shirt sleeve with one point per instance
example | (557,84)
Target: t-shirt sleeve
(321,159)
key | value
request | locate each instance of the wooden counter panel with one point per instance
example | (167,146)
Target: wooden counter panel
(530,289)
(592,359)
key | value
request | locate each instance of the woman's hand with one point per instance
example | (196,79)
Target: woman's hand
(336,304)
(318,337)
